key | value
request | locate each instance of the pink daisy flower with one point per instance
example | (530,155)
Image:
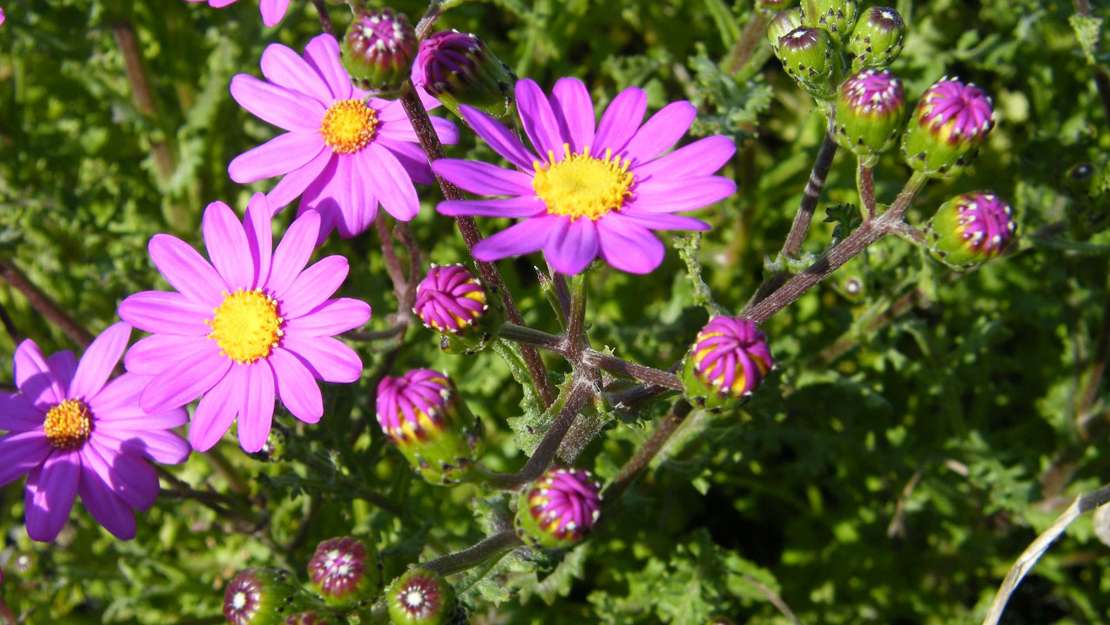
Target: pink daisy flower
(586,190)
(344,151)
(255,327)
(273,11)
(71,431)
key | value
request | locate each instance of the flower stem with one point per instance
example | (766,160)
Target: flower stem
(325,17)
(44,305)
(650,375)
(647,452)
(530,336)
(865,186)
(747,45)
(493,546)
(800,228)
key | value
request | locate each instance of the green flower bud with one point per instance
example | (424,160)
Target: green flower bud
(951,121)
(869,110)
(420,597)
(378,49)
(971,229)
(807,55)
(877,38)
(836,16)
(781,24)
(344,571)
(457,68)
(261,597)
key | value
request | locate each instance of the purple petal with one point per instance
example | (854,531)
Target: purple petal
(17,414)
(330,318)
(272,11)
(664,221)
(63,365)
(185,381)
(539,120)
(575,111)
(322,53)
(161,447)
(293,251)
(571,248)
(512,207)
(412,158)
(117,406)
(391,183)
(98,361)
(285,68)
(627,246)
(328,359)
(153,354)
(163,312)
(21,453)
(500,138)
(260,236)
(701,158)
(226,242)
(297,387)
(34,378)
(313,286)
(50,494)
(257,412)
(523,238)
(401,130)
(675,196)
(350,189)
(295,182)
(186,270)
(662,131)
(620,121)
(217,409)
(280,155)
(276,105)
(108,508)
(483,178)
(129,476)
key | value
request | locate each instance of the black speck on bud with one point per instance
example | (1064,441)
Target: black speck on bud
(877,38)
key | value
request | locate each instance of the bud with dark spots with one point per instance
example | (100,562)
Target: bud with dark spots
(836,16)
(727,362)
(807,55)
(870,107)
(453,302)
(420,597)
(344,571)
(877,38)
(970,229)
(378,49)
(261,597)
(457,68)
(951,121)
(559,509)
(781,24)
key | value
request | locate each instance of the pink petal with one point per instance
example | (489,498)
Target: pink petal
(350,189)
(217,409)
(322,53)
(523,238)
(154,354)
(17,414)
(295,182)
(662,131)
(21,453)
(117,407)
(313,286)
(280,155)
(129,476)
(665,221)
(293,251)
(412,158)
(512,207)
(163,312)
(391,183)
(186,270)
(573,246)
(676,196)
(98,361)
(575,111)
(49,497)
(161,447)
(63,365)
(700,158)
(620,121)
(538,119)
(330,318)
(108,508)
(34,378)
(190,378)
(483,178)
(285,68)
(328,359)
(500,138)
(276,105)
(257,412)
(226,242)
(272,11)
(627,246)
(296,387)
(258,227)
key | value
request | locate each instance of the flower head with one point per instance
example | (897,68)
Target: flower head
(378,48)
(273,11)
(951,120)
(728,360)
(589,191)
(420,597)
(450,299)
(457,68)
(877,38)
(72,431)
(260,597)
(971,228)
(343,153)
(869,110)
(560,508)
(782,23)
(253,326)
(344,570)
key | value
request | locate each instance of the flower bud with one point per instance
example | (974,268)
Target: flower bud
(453,302)
(949,124)
(727,362)
(344,571)
(422,413)
(420,597)
(378,49)
(559,509)
(877,38)
(781,24)
(807,55)
(310,617)
(260,597)
(869,110)
(836,16)
(970,229)
(457,68)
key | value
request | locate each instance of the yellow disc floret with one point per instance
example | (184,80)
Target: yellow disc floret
(246,325)
(349,126)
(582,185)
(68,424)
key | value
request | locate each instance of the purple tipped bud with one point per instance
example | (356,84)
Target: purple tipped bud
(420,597)
(310,617)
(260,597)
(971,228)
(422,413)
(807,55)
(727,362)
(457,68)
(950,122)
(378,49)
(344,571)
(453,302)
(836,16)
(877,38)
(781,24)
(559,509)
(869,110)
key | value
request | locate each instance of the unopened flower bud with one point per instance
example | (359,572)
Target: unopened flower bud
(949,124)
(781,24)
(344,571)
(836,16)
(727,362)
(970,229)
(457,68)
(453,302)
(807,55)
(261,597)
(378,49)
(423,414)
(869,109)
(877,38)
(559,509)
(420,597)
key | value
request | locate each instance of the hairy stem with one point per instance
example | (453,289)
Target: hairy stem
(529,336)
(492,546)
(44,304)
(650,375)
(800,228)
(865,186)
(747,44)
(325,17)
(647,452)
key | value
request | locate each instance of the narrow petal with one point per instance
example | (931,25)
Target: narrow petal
(108,508)
(217,410)
(571,248)
(500,138)
(63,365)
(161,447)
(575,111)
(117,406)
(50,494)
(523,238)
(272,11)
(538,119)
(186,270)
(665,221)
(18,414)
(258,227)
(278,156)
(276,105)
(401,130)
(257,412)
(296,387)
(330,318)
(293,251)
(700,158)
(512,207)
(285,68)
(621,120)
(328,359)
(627,246)
(163,312)
(295,182)
(675,196)
(128,475)
(34,378)
(483,178)
(391,183)
(354,194)
(21,453)
(412,158)
(98,361)
(662,131)
(322,53)
(226,242)
(153,354)
(313,286)
(182,383)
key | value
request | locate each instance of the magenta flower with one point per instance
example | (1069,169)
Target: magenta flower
(343,152)
(2,17)
(592,190)
(449,299)
(255,326)
(955,110)
(74,432)
(731,356)
(273,11)
(560,508)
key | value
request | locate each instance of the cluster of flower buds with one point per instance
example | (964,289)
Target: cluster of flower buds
(457,68)
(870,106)
(559,509)
(423,414)
(344,571)
(420,597)
(970,229)
(262,597)
(451,301)
(727,362)
(951,121)
(378,49)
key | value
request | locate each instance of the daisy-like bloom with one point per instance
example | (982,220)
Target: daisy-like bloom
(259,597)
(344,570)
(420,597)
(589,190)
(252,326)
(343,152)
(728,360)
(560,508)
(972,228)
(951,120)
(450,299)
(72,431)
(273,11)
(869,112)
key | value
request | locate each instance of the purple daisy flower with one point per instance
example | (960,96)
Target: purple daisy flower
(587,190)
(273,11)
(344,152)
(256,326)
(450,299)
(72,431)
(731,356)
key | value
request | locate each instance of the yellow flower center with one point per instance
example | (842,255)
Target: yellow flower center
(582,185)
(349,126)
(68,424)
(246,325)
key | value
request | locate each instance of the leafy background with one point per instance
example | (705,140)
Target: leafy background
(922,426)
